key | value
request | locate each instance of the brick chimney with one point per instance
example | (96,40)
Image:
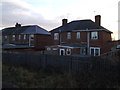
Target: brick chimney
(17,25)
(98,19)
(64,21)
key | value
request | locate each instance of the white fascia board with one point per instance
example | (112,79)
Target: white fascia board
(65,46)
(88,30)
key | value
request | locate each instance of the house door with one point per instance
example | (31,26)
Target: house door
(83,51)
(62,52)
(94,51)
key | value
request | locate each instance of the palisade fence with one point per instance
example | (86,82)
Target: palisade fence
(66,63)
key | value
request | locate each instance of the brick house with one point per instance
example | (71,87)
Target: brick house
(25,37)
(81,37)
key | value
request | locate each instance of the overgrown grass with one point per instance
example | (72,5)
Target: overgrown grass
(30,78)
(37,79)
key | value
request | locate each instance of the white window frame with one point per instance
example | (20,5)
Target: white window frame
(19,37)
(13,37)
(78,35)
(94,35)
(24,36)
(56,36)
(63,51)
(68,49)
(94,50)
(6,37)
(69,35)
(32,36)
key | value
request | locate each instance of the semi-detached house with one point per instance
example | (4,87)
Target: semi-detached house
(81,37)
(31,37)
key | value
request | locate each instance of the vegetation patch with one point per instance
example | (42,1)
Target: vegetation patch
(30,78)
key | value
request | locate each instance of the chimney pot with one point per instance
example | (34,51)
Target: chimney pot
(98,19)
(17,25)
(64,21)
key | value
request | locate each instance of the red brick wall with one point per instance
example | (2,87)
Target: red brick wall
(73,50)
(42,40)
(102,41)
(17,40)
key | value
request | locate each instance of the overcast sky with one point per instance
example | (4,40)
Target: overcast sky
(49,13)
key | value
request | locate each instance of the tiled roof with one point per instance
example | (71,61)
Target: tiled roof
(79,25)
(33,29)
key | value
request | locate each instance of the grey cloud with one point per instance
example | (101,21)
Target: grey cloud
(12,13)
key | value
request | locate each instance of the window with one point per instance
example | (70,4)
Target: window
(13,37)
(54,48)
(24,37)
(68,51)
(5,37)
(48,49)
(19,37)
(32,37)
(56,36)
(94,51)
(68,35)
(94,35)
(78,35)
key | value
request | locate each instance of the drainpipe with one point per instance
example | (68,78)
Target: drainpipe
(60,35)
(29,40)
(88,42)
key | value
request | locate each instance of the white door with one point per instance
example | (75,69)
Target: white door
(94,51)
(62,52)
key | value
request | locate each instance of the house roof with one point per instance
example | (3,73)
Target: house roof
(31,29)
(80,25)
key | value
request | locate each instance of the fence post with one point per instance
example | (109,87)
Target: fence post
(44,61)
(70,68)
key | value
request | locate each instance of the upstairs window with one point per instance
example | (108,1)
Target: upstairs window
(56,36)
(13,37)
(78,35)
(69,35)
(32,37)
(94,35)
(6,37)
(24,36)
(19,37)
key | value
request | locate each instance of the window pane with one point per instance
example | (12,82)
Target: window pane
(56,36)
(13,37)
(94,35)
(78,35)
(32,37)
(96,52)
(19,37)
(92,52)
(24,36)
(5,37)
(68,51)
(69,35)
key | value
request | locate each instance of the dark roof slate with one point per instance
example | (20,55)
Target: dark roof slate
(79,25)
(32,29)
